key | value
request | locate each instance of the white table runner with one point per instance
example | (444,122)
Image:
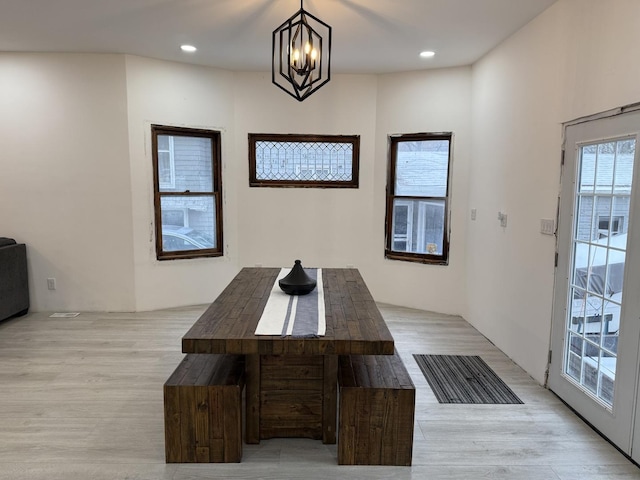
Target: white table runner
(294,315)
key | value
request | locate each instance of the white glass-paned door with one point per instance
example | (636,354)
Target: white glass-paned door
(596,332)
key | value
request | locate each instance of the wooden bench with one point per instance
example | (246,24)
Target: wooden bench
(203,409)
(376,411)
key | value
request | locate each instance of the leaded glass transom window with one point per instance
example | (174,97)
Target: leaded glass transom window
(303,160)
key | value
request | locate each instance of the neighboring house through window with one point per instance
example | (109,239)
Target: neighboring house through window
(187,192)
(418,197)
(609,226)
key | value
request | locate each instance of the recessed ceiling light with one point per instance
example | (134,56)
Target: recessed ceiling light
(188,48)
(427,54)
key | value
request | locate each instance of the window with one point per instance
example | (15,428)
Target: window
(418,198)
(608,226)
(303,160)
(187,192)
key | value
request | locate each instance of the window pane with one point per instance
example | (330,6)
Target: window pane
(418,226)
(583,219)
(401,226)
(194,227)
(422,168)
(588,171)
(604,167)
(285,160)
(192,160)
(165,170)
(163,142)
(602,217)
(624,166)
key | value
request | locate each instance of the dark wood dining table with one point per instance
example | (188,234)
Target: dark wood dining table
(291,382)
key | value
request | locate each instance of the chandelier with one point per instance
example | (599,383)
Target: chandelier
(301,51)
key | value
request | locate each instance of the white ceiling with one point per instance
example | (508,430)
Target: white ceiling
(369,36)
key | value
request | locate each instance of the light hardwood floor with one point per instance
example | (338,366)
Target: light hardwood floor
(81,398)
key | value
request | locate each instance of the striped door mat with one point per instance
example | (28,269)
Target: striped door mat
(464,379)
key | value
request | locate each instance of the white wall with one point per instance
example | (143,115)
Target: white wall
(79,170)
(340,227)
(322,227)
(577,58)
(429,101)
(168,93)
(64,177)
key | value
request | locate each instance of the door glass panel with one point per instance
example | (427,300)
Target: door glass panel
(599,245)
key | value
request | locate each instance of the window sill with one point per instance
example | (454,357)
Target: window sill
(416,258)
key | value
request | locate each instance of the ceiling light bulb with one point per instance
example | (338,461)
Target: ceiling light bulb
(427,54)
(314,54)
(307,47)
(188,48)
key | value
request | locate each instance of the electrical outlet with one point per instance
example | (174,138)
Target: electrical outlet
(474,213)
(51,283)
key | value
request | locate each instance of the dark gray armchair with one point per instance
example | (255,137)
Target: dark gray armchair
(14,282)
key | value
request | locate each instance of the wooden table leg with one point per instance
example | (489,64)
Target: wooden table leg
(252,399)
(329,399)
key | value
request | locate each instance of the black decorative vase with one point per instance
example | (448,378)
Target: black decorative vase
(297,282)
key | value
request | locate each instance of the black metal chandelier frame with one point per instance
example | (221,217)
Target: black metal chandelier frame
(301,50)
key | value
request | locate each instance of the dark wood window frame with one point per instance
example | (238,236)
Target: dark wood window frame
(353,140)
(216,193)
(426,258)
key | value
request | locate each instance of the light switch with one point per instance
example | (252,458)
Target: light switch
(547,226)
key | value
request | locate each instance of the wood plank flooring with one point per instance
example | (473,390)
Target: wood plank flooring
(81,398)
